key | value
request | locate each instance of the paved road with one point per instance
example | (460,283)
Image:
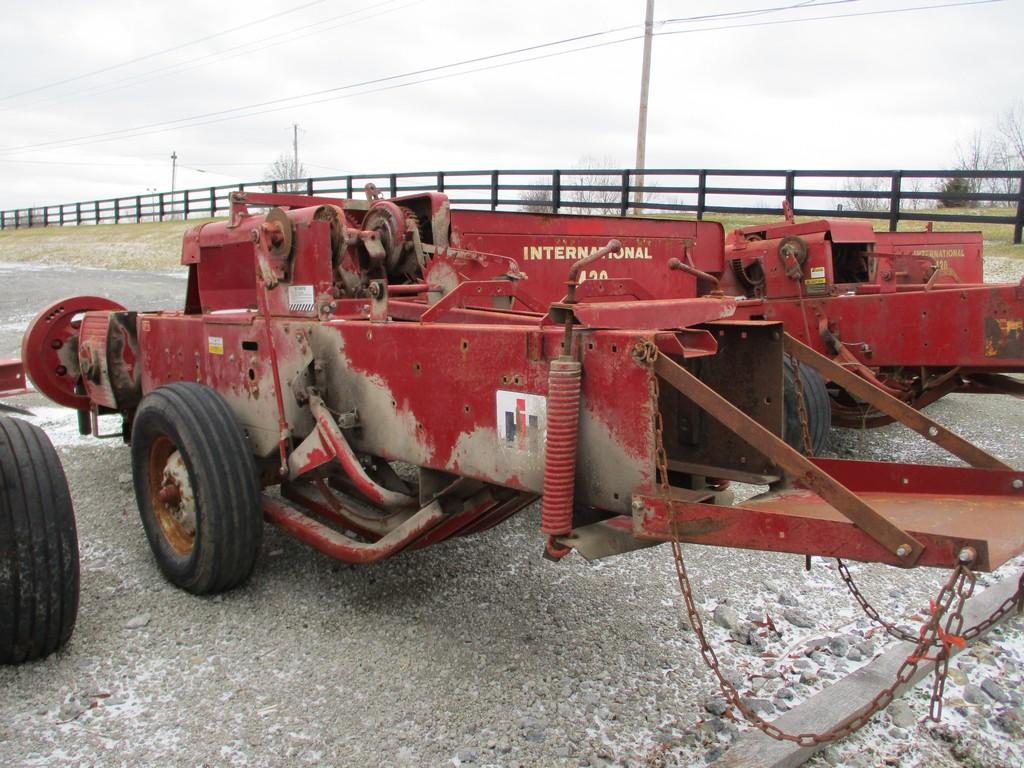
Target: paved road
(28,287)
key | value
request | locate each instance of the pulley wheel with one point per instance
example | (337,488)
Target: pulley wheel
(49,348)
(282,248)
(388,220)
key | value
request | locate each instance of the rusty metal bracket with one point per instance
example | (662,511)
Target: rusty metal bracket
(378,290)
(892,406)
(874,524)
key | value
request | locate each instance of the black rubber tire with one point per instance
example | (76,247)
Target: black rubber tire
(228,525)
(39,569)
(816,403)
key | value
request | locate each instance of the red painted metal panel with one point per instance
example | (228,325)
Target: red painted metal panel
(546,245)
(959,251)
(12,378)
(971,326)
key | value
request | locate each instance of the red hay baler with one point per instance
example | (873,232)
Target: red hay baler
(907,311)
(401,385)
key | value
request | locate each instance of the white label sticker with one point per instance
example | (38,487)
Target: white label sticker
(818,272)
(521,420)
(300,298)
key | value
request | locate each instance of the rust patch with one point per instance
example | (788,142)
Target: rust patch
(1004,337)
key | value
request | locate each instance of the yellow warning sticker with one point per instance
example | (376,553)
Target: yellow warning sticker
(215,345)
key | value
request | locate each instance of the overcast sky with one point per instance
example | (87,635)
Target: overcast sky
(892,90)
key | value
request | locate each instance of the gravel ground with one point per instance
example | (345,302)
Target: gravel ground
(476,651)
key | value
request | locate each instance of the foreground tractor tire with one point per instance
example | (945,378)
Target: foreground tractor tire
(39,568)
(816,403)
(195,484)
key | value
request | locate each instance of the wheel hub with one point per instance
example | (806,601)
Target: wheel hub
(176,493)
(172,495)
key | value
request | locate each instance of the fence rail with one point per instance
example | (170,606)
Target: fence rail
(891,196)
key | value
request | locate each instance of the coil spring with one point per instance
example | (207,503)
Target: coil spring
(564,377)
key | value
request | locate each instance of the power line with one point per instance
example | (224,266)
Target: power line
(229,114)
(261,44)
(154,54)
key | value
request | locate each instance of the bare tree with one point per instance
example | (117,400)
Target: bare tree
(286,168)
(1010,126)
(593,191)
(865,184)
(977,154)
(584,189)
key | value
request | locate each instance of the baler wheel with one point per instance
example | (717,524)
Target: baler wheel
(816,403)
(39,570)
(196,488)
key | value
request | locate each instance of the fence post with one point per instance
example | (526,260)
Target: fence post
(184,215)
(440,181)
(96,211)
(213,202)
(624,194)
(161,206)
(894,200)
(348,188)
(138,209)
(702,193)
(1018,227)
(3,220)
(556,191)
(117,210)
(494,190)
(309,187)
(46,215)
(273,187)
(78,213)
(394,185)
(790,187)
(17,218)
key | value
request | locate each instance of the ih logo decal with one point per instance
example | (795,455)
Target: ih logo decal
(521,420)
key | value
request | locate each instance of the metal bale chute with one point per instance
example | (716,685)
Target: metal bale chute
(404,374)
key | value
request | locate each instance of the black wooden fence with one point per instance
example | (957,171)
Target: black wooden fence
(892,196)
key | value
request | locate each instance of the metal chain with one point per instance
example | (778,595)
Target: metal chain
(929,632)
(932,633)
(950,636)
(1015,601)
(801,407)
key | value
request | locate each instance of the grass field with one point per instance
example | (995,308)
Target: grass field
(158,245)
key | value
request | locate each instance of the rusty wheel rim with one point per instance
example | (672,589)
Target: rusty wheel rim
(171,495)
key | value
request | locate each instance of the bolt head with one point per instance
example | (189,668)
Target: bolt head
(966,555)
(903,550)
(637,505)
(1017,484)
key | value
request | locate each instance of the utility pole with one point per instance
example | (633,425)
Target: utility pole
(641,127)
(295,150)
(174,172)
